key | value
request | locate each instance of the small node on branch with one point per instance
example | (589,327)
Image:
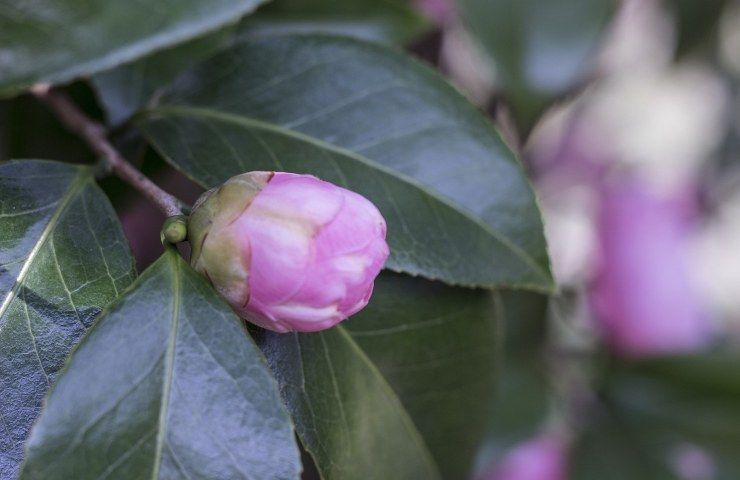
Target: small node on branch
(175,229)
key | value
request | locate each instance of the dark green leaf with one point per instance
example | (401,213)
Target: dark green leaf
(413,374)
(380,20)
(345,413)
(59,40)
(437,348)
(610,450)
(167,384)
(541,48)
(63,257)
(125,89)
(523,395)
(458,206)
(653,410)
(697,22)
(524,322)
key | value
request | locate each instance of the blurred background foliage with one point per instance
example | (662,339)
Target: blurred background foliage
(627,115)
(635,160)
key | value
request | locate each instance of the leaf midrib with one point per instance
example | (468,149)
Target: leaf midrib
(82,177)
(408,423)
(169,364)
(546,283)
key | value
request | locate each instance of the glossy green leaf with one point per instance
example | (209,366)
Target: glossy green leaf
(402,390)
(63,257)
(438,349)
(59,40)
(457,204)
(386,21)
(345,413)
(167,385)
(123,90)
(541,48)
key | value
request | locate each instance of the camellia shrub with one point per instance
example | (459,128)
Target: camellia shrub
(207,364)
(352,276)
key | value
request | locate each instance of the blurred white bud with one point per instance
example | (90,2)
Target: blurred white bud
(570,234)
(663,124)
(467,66)
(642,37)
(717,257)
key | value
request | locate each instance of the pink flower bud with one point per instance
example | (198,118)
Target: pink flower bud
(542,458)
(644,298)
(288,252)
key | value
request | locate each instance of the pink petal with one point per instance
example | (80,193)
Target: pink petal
(644,297)
(543,458)
(281,223)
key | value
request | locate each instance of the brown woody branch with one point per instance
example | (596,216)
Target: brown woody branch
(95,135)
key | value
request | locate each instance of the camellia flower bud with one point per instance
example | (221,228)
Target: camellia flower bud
(288,252)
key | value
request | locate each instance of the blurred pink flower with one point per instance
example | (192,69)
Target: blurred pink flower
(643,296)
(542,458)
(288,252)
(692,462)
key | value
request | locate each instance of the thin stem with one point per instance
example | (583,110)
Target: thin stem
(95,135)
